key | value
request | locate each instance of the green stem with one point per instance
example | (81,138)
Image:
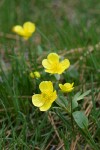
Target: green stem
(72,117)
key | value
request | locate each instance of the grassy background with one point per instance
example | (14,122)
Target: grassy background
(70,28)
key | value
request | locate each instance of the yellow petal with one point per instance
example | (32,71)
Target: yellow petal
(53,58)
(46,106)
(18,29)
(69,90)
(29,27)
(72,84)
(54,97)
(37,100)
(62,87)
(65,63)
(46,64)
(50,71)
(63,66)
(69,87)
(46,86)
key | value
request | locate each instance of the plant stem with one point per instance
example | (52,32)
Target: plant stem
(72,117)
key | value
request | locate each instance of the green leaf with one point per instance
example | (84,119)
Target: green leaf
(80,119)
(62,101)
(83,95)
(74,100)
(78,97)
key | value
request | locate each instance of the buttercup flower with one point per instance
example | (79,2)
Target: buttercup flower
(47,96)
(25,31)
(67,87)
(35,74)
(53,65)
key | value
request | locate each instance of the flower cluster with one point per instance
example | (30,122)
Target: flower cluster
(48,95)
(52,65)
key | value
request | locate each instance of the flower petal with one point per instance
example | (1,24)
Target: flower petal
(37,100)
(63,66)
(62,87)
(54,96)
(50,71)
(18,29)
(46,86)
(29,27)
(53,58)
(67,87)
(65,63)
(46,106)
(46,64)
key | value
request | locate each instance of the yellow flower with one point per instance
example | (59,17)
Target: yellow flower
(47,96)
(35,74)
(67,87)
(53,66)
(25,31)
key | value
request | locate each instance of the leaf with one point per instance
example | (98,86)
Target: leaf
(62,101)
(74,100)
(78,97)
(83,95)
(80,119)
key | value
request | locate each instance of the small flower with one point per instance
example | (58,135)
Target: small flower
(35,74)
(53,66)
(47,96)
(32,75)
(25,31)
(67,87)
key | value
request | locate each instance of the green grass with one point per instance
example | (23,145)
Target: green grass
(61,27)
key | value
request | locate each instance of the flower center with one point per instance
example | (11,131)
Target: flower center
(47,96)
(55,67)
